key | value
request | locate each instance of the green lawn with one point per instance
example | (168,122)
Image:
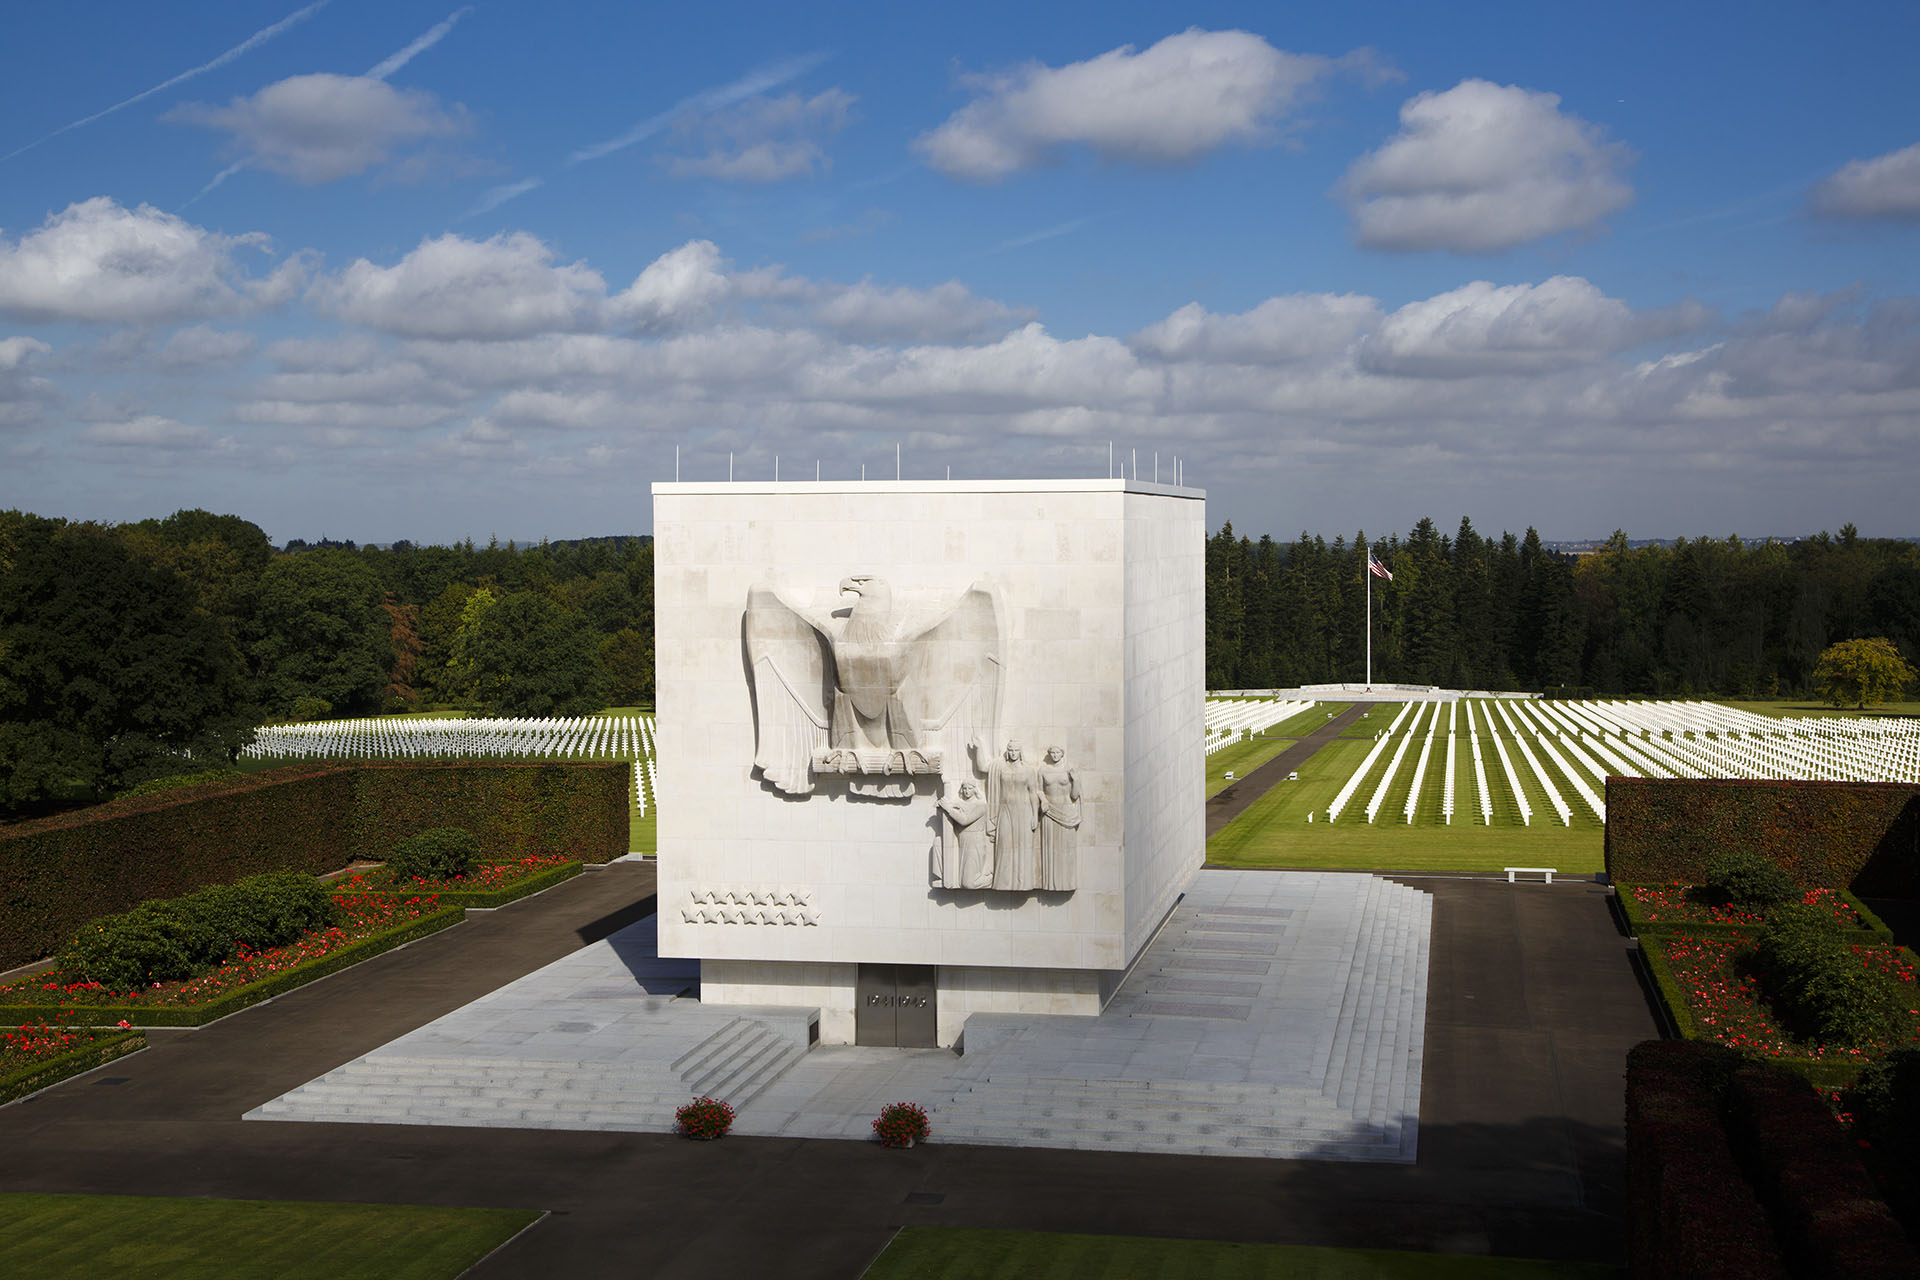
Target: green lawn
(957,1253)
(1274,831)
(1241,759)
(131,1237)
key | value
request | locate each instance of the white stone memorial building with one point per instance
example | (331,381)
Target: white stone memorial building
(928,748)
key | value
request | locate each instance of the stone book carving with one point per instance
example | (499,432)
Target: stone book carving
(878,691)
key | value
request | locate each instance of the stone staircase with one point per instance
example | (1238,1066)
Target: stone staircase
(737,1062)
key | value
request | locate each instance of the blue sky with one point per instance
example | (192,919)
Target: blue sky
(432,271)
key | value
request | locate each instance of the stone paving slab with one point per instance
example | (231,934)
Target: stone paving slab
(1317,1053)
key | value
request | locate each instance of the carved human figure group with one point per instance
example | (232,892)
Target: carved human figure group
(1023,836)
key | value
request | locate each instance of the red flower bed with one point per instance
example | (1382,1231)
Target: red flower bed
(492,875)
(34,1043)
(362,915)
(1728,1005)
(1676,904)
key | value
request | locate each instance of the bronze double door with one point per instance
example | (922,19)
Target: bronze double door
(896,1004)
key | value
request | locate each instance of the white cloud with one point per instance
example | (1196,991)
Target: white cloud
(1885,186)
(765,139)
(320,128)
(1484,167)
(15,352)
(948,312)
(1277,331)
(200,347)
(24,395)
(683,285)
(98,262)
(149,431)
(1187,95)
(452,287)
(1484,328)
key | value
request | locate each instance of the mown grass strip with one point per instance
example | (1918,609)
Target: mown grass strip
(967,1253)
(1274,831)
(60,1237)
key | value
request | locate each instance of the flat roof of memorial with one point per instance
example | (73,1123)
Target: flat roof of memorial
(688,488)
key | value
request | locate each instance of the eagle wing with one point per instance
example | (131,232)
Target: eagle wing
(953,678)
(791,667)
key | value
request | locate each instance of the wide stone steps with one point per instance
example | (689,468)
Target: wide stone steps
(736,1064)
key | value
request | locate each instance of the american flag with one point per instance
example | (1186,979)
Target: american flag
(1377,569)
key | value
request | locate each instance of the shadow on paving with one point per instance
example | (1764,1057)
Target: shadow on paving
(1531,1008)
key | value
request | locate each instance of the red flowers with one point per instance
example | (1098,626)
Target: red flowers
(364,915)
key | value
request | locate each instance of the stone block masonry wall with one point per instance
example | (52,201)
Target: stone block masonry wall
(1165,663)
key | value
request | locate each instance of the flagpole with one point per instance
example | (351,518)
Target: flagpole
(1368,573)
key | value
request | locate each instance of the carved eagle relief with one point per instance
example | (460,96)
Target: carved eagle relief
(877,690)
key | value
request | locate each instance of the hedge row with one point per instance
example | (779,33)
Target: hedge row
(1863,836)
(1739,1170)
(41,1074)
(58,873)
(1830,1221)
(265,989)
(1691,1213)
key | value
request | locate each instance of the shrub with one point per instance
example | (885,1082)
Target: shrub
(438,853)
(171,938)
(704,1118)
(1885,1104)
(1748,880)
(1818,985)
(901,1124)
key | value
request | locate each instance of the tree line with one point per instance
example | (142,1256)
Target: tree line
(1701,617)
(135,651)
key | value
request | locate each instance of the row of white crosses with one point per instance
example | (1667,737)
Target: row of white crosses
(621,737)
(1566,751)
(1231,720)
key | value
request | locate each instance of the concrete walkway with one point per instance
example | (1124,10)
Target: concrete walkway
(1277,1015)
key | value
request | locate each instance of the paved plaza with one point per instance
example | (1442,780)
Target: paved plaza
(1277,1014)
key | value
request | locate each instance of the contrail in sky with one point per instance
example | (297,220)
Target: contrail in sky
(706,100)
(381,70)
(756,81)
(248,45)
(434,35)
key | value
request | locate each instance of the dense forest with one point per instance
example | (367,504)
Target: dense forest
(133,651)
(1700,617)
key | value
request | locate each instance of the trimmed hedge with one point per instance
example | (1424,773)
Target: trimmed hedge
(255,993)
(41,1074)
(1862,836)
(1830,1221)
(1691,1213)
(438,853)
(58,873)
